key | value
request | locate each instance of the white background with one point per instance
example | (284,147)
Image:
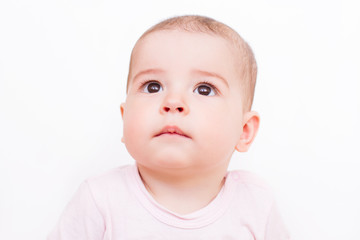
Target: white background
(63,70)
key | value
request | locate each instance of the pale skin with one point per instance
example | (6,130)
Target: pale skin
(184,116)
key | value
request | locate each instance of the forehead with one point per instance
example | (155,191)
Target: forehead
(178,51)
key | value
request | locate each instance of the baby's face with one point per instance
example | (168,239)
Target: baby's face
(184,105)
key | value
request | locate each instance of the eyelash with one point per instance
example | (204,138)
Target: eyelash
(145,82)
(210,85)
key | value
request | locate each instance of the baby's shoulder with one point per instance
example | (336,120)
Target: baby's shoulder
(248,178)
(111,174)
(110,184)
(250,183)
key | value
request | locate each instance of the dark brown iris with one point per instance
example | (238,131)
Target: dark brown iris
(153,87)
(204,90)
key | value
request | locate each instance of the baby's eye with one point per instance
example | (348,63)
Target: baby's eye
(152,87)
(205,89)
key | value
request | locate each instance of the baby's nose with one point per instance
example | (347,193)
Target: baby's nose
(174,104)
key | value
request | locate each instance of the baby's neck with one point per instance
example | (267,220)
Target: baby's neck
(183,194)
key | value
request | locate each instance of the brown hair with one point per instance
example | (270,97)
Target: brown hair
(194,23)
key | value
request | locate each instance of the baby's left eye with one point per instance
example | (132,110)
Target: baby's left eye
(205,89)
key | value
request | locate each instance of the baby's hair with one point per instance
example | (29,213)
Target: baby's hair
(195,23)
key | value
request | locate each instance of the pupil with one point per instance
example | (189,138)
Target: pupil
(204,90)
(153,87)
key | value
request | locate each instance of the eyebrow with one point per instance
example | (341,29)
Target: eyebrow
(210,74)
(148,71)
(194,71)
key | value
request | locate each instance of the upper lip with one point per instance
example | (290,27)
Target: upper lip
(172,130)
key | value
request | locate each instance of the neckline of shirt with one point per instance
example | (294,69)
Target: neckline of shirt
(200,218)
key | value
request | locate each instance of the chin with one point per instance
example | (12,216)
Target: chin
(166,163)
(173,162)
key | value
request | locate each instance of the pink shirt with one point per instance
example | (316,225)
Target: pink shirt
(117,206)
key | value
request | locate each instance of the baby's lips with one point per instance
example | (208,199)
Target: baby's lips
(172,130)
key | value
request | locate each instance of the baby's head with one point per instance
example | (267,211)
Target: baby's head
(245,61)
(189,94)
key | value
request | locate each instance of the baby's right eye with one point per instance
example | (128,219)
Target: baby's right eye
(152,87)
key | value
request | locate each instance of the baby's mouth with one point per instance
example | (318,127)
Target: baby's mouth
(172,130)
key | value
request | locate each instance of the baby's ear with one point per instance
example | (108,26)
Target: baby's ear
(122,108)
(250,128)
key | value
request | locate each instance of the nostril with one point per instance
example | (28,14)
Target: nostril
(170,109)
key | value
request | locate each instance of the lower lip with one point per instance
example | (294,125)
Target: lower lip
(172,135)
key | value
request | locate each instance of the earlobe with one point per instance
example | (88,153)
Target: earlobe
(250,128)
(122,109)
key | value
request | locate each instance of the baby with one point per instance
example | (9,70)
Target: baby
(188,108)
